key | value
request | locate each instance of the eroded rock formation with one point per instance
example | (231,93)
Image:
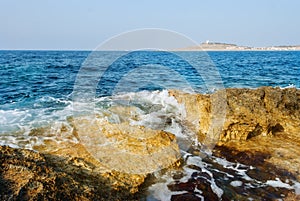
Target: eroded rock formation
(265,119)
(110,162)
(249,113)
(127,148)
(27,175)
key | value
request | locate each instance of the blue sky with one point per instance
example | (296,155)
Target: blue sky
(77,24)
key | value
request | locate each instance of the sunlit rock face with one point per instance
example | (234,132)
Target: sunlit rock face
(120,147)
(265,119)
(249,113)
(127,148)
(265,111)
(28,175)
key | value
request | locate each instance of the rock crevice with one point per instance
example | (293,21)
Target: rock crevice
(261,112)
(265,120)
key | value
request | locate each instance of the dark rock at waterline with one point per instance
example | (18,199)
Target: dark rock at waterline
(254,158)
(261,170)
(237,181)
(185,197)
(27,175)
(193,186)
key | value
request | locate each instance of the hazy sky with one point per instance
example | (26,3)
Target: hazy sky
(78,24)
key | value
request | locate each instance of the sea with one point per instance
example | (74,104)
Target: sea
(45,88)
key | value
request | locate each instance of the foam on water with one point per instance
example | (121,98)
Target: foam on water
(14,116)
(30,126)
(236,177)
(160,190)
(197,161)
(289,86)
(42,112)
(236,183)
(153,109)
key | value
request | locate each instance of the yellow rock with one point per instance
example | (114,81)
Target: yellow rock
(127,148)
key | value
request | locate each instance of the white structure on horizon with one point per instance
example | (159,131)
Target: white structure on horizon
(207,41)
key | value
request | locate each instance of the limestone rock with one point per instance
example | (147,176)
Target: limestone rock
(249,113)
(265,120)
(119,147)
(107,162)
(28,175)
(127,148)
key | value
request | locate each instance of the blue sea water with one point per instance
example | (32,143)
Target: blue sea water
(29,75)
(37,86)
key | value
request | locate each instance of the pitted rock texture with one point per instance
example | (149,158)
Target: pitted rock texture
(27,175)
(249,112)
(266,120)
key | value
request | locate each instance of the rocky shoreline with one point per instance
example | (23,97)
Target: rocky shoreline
(27,175)
(265,119)
(261,128)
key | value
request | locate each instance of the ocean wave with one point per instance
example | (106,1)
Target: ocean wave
(153,109)
(289,86)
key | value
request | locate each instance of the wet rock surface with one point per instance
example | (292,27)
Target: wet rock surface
(232,175)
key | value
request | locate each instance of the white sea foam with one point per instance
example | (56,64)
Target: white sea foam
(13,116)
(197,161)
(288,86)
(160,190)
(236,183)
(297,187)
(277,183)
(156,110)
(16,125)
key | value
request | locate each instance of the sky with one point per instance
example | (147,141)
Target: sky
(77,24)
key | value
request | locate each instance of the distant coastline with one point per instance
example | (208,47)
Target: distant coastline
(205,46)
(216,46)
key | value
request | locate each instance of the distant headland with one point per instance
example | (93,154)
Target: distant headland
(217,46)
